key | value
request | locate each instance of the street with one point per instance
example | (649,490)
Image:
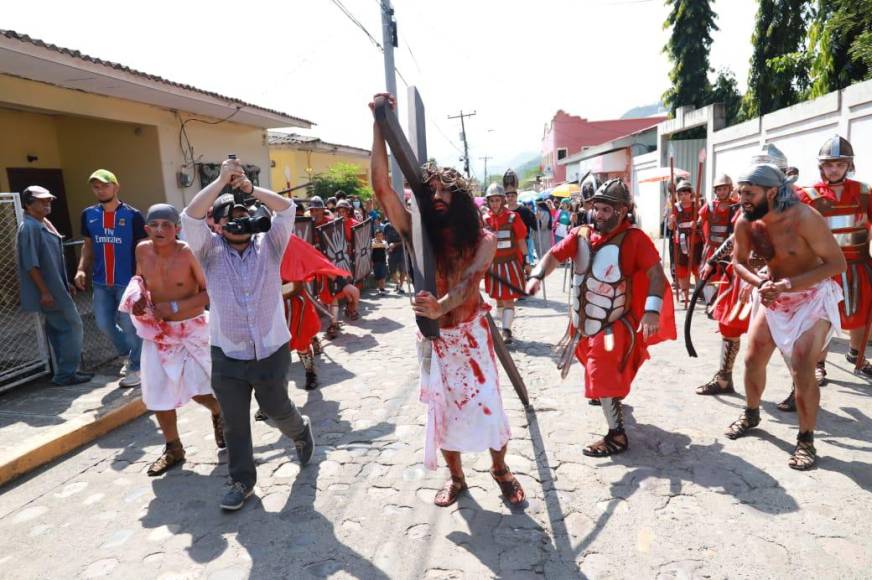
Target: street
(683,502)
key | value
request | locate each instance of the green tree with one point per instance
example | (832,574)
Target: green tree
(341,176)
(692,22)
(840,43)
(778,75)
(726,90)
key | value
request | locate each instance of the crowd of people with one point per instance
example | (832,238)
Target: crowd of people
(208,304)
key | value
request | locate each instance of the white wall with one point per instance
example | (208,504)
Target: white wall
(799,131)
(648,197)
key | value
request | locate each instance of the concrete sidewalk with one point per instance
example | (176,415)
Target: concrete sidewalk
(40,422)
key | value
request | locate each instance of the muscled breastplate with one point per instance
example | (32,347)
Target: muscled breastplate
(600,290)
(720,222)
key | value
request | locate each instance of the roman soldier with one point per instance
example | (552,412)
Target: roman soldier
(620,305)
(845,204)
(506,276)
(510,183)
(685,230)
(331,293)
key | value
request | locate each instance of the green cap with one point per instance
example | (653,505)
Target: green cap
(105,176)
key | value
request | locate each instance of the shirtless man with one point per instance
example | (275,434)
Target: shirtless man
(797,305)
(167,298)
(459,378)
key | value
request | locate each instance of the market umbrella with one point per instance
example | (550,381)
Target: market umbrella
(566,190)
(662,174)
(526,196)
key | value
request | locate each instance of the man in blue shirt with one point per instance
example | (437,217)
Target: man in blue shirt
(44,286)
(112,229)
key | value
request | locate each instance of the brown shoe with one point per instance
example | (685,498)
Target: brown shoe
(174,454)
(218,427)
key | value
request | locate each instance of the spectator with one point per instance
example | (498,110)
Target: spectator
(331,204)
(248,329)
(380,260)
(562,222)
(112,229)
(44,286)
(396,257)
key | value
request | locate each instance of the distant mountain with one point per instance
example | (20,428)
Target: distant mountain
(519,163)
(645,111)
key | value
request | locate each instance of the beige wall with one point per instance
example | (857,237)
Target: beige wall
(129,151)
(318,162)
(27,134)
(211,143)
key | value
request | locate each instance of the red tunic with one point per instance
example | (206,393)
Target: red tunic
(717,224)
(603,375)
(685,222)
(302,263)
(848,216)
(509,259)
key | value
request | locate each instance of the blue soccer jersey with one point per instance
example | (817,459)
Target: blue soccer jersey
(114,235)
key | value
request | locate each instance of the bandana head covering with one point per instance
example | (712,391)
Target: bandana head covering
(162,211)
(768,175)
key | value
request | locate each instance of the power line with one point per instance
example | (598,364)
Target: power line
(357,23)
(463,135)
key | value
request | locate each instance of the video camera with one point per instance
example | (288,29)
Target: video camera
(258,221)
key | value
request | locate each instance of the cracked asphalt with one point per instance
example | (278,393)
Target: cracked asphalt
(683,502)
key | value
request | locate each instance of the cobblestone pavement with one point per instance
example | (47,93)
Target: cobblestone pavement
(682,502)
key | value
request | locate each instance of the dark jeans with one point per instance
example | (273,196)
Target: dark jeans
(233,381)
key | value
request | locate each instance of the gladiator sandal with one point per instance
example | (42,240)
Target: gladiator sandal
(218,428)
(852,356)
(316,346)
(820,373)
(729,350)
(332,331)
(507,336)
(788,405)
(804,454)
(613,409)
(749,419)
(173,454)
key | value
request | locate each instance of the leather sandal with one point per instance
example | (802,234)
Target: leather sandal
(608,445)
(450,491)
(510,488)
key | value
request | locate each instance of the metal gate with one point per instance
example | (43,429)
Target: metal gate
(24,353)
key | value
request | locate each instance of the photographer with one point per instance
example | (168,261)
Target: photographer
(248,331)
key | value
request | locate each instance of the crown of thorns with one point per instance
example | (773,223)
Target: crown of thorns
(450,178)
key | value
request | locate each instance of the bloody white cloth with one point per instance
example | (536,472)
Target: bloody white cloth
(794,313)
(461,389)
(176,364)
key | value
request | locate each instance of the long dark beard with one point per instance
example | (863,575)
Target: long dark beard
(455,232)
(758,212)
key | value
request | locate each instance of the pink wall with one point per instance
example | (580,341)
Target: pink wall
(574,133)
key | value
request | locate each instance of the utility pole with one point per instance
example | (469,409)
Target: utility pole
(485,158)
(389,42)
(463,136)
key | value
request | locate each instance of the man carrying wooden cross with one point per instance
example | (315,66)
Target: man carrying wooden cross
(459,379)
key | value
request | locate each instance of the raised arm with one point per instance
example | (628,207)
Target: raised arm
(230,169)
(389,199)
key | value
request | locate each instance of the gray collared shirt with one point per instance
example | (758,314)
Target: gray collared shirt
(246,312)
(40,247)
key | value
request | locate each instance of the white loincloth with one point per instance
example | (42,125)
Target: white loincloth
(176,364)
(462,391)
(794,313)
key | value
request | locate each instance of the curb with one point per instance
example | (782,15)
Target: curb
(67,437)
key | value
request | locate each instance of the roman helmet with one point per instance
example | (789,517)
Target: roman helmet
(615,192)
(723,179)
(684,184)
(589,186)
(836,148)
(495,189)
(316,202)
(510,181)
(769,153)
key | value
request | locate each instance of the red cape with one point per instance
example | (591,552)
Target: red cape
(302,262)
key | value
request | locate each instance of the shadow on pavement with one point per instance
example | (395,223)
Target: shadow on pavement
(295,541)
